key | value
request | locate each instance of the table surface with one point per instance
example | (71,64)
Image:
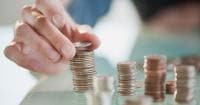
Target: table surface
(58,91)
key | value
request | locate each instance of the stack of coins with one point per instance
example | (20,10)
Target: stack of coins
(155,74)
(192,60)
(170,87)
(126,78)
(103,83)
(102,93)
(82,67)
(139,100)
(185,81)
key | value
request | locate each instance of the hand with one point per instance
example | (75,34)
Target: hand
(43,45)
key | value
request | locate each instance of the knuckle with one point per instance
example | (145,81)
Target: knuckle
(25,8)
(20,28)
(58,42)
(24,63)
(41,46)
(40,21)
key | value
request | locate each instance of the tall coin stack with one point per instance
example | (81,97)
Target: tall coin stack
(83,67)
(155,74)
(185,81)
(126,78)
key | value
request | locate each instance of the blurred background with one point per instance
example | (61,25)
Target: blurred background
(130,29)
(10,10)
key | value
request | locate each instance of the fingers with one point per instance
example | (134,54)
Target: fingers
(13,53)
(34,41)
(84,34)
(47,30)
(33,62)
(54,11)
(90,37)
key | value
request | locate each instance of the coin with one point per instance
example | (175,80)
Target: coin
(126,78)
(185,71)
(185,82)
(170,87)
(82,44)
(155,74)
(82,66)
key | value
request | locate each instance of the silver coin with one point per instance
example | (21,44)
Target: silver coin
(82,44)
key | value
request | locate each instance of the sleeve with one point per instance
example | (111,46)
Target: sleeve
(88,11)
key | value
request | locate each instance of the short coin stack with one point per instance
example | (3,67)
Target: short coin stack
(102,83)
(126,78)
(103,89)
(83,67)
(185,81)
(170,87)
(155,74)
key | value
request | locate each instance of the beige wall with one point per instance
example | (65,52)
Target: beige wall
(10,10)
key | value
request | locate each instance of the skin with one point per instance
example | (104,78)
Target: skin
(44,36)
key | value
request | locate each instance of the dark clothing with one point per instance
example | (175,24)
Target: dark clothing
(88,11)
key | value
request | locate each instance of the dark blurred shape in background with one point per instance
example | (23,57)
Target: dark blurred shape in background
(149,8)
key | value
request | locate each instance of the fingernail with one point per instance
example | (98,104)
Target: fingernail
(58,20)
(68,51)
(55,57)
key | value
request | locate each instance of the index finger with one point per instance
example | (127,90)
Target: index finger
(55,12)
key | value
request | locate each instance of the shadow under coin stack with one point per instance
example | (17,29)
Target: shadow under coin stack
(83,67)
(126,78)
(185,81)
(139,100)
(155,74)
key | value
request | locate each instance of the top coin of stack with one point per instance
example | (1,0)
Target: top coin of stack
(83,67)
(185,81)
(139,100)
(155,74)
(126,78)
